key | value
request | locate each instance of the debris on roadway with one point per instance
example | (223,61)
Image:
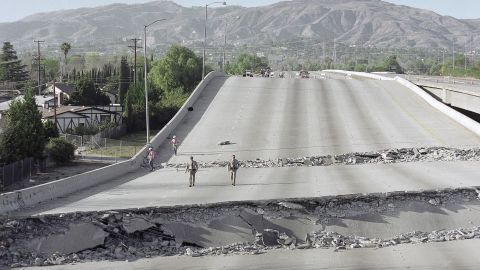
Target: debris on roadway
(427,154)
(224,228)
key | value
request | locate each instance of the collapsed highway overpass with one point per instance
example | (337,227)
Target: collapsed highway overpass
(341,162)
(271,119)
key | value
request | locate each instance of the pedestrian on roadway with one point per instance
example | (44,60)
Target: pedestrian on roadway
(174,143)
(233,166)
(151,157)
(192,168)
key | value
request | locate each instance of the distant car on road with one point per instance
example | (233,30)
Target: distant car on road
(248,73)
(304,74)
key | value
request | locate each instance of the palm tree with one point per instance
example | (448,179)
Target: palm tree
(65,47)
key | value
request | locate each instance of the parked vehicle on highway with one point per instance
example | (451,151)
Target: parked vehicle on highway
(247,73)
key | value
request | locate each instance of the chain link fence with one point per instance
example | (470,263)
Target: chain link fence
(95,147)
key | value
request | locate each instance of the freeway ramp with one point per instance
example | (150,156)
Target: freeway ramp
(275,118)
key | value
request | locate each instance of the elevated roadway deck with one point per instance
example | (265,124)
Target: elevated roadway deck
(458,92)
(274,118)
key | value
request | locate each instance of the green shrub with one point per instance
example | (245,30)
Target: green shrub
(85,130)
(51,130)
(106,125)
(60,150)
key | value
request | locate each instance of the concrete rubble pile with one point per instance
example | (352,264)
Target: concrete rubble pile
(323,239)
(206,229)
(426,154)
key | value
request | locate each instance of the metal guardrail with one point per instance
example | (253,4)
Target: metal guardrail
(447,88)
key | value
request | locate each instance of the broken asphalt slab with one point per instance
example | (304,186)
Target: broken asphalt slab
(339,222)
(77,238)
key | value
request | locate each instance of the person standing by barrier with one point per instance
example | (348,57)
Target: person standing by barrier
(192,168)
(233,166)
(174,143)
(151,157)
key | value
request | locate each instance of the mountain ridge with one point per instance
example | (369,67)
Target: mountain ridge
(362,22)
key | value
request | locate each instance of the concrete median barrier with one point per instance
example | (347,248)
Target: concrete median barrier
(360,74)
(29,197)
(177,119)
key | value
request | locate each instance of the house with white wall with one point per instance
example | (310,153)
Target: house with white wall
(71,117)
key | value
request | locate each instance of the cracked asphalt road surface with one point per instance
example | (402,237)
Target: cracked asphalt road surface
(283,118)
(273,118)
(449,255)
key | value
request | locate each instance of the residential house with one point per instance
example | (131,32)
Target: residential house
(71,117)
(41,101)
(64,90)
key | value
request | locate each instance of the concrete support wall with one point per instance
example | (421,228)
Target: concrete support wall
(31,196)
(459,117)
(177,119)
(463,120)
(456,95)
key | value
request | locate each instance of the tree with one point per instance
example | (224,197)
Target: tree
(92,60)
(52,67)
(180,68)
(24,134)
(60,150)
(65,47)
(124,79)
(87,94)
(247,61)
(135,107)
(390,63)
(11,68)
(51,130)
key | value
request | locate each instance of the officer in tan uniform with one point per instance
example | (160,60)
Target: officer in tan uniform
(192,168)
(233,166)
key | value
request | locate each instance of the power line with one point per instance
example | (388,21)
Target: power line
(135,47)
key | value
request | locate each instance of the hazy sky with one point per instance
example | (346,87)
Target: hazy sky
(12,10)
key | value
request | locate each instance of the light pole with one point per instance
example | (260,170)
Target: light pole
(225,42)
(205,33)
(147,118)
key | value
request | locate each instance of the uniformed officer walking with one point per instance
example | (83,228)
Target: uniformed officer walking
(233,166)
(174,143)
(151,157)
(192,168)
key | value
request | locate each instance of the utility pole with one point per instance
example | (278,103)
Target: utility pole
(453,54)
(224,46)
(334,53)
(39,59)
(465,56)
(54,104)
(443,58)
(324,53)
(135,47)
(474,51)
